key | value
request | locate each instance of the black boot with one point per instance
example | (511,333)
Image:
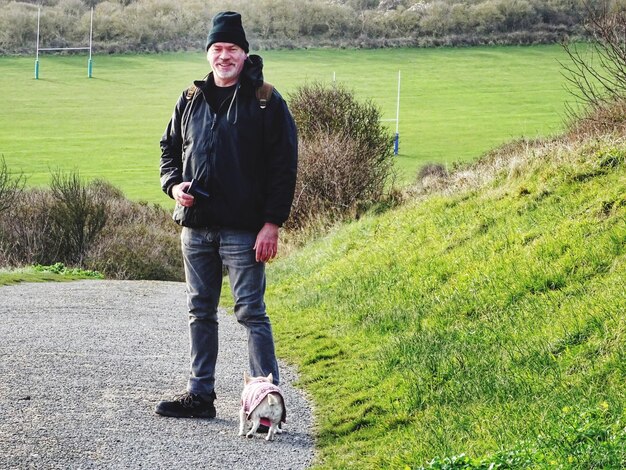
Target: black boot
(188,405)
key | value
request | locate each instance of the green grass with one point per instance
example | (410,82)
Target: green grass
(486,326)
(456,104)
(57,272)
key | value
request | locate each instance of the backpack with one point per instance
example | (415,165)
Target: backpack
(263,93)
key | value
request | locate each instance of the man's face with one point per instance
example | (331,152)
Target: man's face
(226,61)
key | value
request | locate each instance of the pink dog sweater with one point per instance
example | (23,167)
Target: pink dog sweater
(254,393)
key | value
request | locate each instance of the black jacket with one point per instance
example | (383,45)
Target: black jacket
(244,156)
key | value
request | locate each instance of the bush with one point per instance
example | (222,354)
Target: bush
(140,241)
(10,187)
(345,162)
(432,176)
(600,119)
(26,231)
(78,216)
(90,226)
(160,25)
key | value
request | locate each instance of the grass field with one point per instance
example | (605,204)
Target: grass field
(455,104)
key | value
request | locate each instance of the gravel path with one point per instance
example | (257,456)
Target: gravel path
(82,365)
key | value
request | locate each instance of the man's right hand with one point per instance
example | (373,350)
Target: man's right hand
(180,196)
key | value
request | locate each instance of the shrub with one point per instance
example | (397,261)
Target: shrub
(326,181)
(345,163)
(27,234)
(10,186)
(604,118)
(157,25)
(90,226)
(432,176)
(78,217)
(57,225)
(437,170)
(140,241)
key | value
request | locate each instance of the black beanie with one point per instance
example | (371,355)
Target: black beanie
(227,28)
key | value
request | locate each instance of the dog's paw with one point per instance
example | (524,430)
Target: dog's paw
(250,434)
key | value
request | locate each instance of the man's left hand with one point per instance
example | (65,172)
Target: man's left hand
(266,245)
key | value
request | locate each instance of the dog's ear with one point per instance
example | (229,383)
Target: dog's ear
(270,378)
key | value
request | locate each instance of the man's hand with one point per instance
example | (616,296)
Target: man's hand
(180,196)
(266,245)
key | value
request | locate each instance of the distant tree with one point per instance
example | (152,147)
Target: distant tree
(461,20)
(559,12)
(487,16)
(518,15)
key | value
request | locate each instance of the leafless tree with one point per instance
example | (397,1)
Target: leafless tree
(596,72)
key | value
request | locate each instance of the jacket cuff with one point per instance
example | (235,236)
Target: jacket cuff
(169,189)
(275,221)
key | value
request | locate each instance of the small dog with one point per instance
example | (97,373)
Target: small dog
(262,402)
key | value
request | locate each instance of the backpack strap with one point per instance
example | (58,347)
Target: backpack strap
(264,94)
(190,92)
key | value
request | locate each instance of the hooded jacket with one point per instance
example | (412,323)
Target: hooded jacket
(242,155)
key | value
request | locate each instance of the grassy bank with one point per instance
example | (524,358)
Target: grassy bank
(487,321)
(455,104)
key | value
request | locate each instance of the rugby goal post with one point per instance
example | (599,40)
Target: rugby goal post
(45,49)
(396,137)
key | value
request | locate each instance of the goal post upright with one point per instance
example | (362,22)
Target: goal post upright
(37,53)
(396,139)
(396,136)
(90,62)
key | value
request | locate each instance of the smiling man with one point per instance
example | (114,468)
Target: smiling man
(228,159)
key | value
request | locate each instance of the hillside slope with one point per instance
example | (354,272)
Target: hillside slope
(481,323)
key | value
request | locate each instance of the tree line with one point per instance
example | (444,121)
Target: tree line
(171,25)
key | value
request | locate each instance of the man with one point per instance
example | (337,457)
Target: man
(228,159)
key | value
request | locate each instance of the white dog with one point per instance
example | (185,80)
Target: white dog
(262,402)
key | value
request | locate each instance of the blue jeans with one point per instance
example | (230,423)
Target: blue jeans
(205,252)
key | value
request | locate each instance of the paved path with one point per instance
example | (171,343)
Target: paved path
(82,365)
